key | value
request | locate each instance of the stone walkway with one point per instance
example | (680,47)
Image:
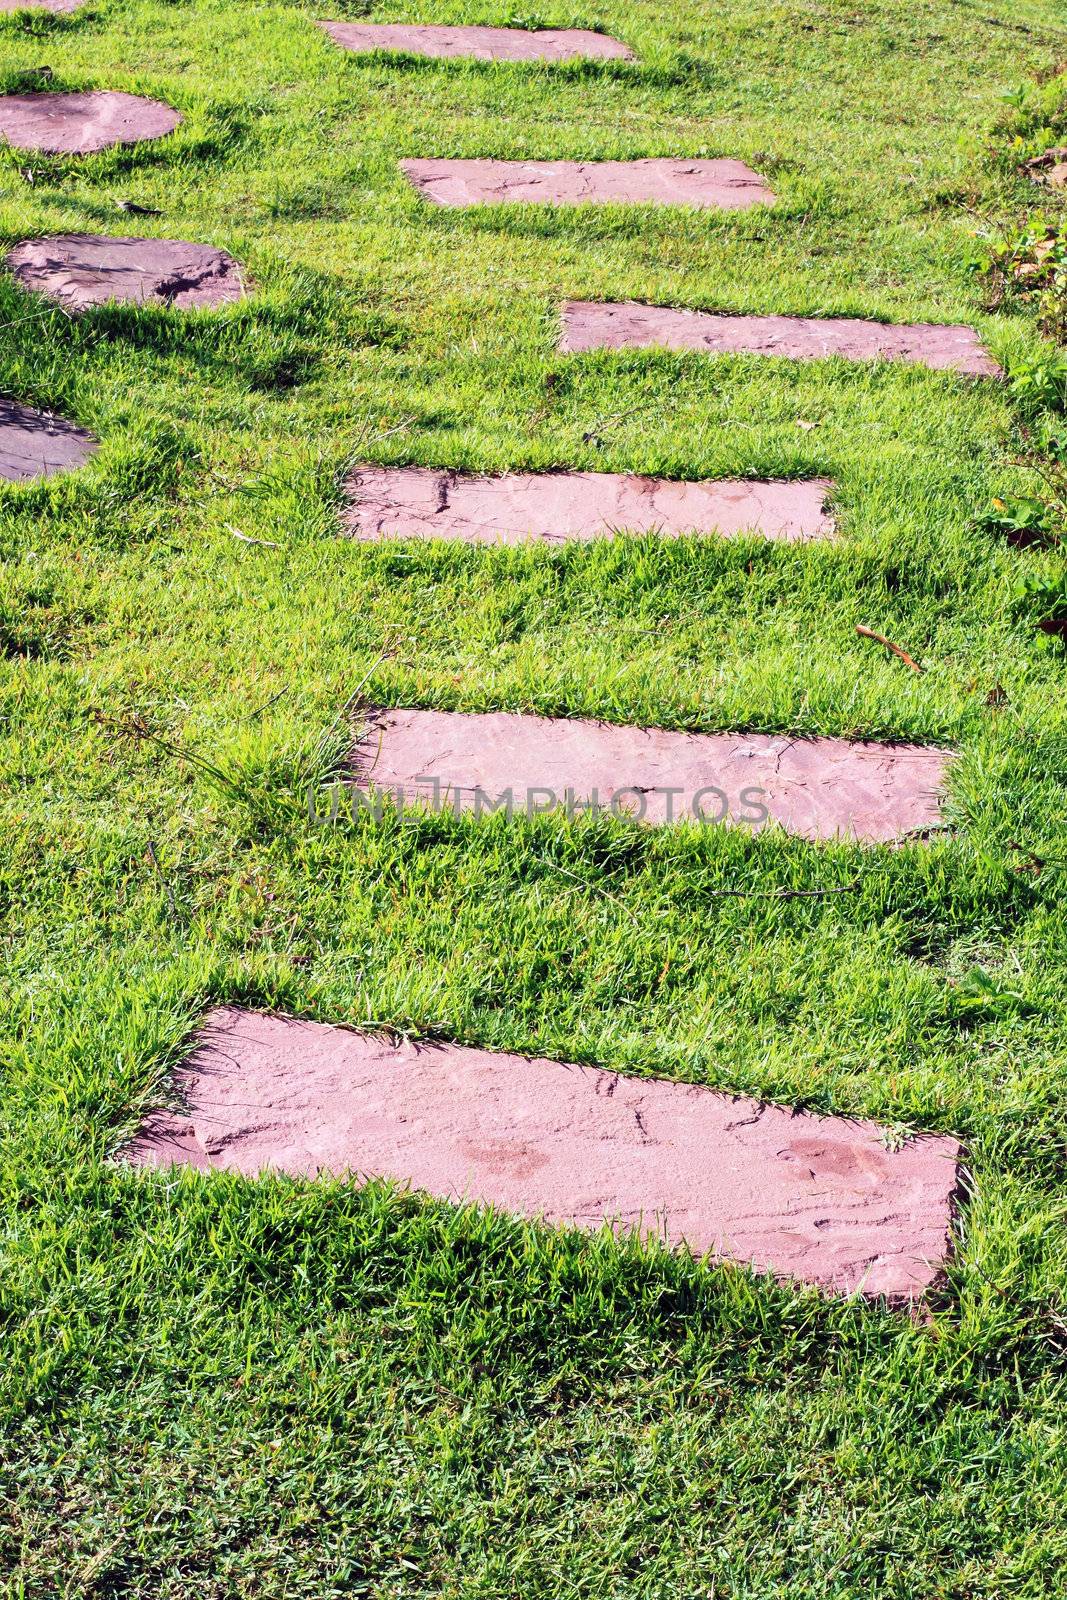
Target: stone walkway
(821,1199)
(814,788)
(59,7)
(79,270)
(478,44)
(725,185)
(35,444)
(561,507)
(80,124)
(598,325)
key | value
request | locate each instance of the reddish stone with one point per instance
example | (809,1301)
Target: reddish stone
(479,44)
(816,788)
(90,269)
(825,1200)
(34,444)
(424,503)
(593,325)
(58,6)
(729,185)
(78,124)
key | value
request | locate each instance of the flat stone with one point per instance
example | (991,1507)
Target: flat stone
(34,444)
(821,1199)
(479,44)
(595,325)
(58,6)
(815,788)
(729,185)
(557,507)
(90,269)
(78,124)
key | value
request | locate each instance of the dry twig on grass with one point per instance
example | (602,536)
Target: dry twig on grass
(879,638)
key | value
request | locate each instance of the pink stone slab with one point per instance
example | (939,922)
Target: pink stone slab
(34,444)
(815,788)
(820,1199)
(58,6)
(594,325)
(90,269)
(479,44)
(78,124)
(729,185)
(423,503)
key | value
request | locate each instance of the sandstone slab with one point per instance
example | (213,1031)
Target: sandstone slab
(79,124)
(814,788)
(34,444)
(478,44)
(597,325)
(558,507)
(820,1199)
(57,6)
(89,269)
(727,185)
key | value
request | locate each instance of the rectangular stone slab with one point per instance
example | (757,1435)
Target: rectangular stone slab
(597,325)
(815,788)
(819,1199)
(557,507)
(477,43)
(727,185)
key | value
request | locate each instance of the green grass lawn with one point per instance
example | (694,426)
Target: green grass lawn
(214,1389)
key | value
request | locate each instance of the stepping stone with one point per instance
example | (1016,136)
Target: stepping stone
(729,185)
(79,124)
(34,444)
(815,788)
(821,1199)
(479,44)
(41,5)
(90,269)
(557,507)
(595,325)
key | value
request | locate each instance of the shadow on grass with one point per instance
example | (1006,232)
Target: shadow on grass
(36,24)
(271,342)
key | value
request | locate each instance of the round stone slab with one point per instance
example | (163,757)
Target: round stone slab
(80,124)
(34,444)
(90,269)
(728,185)
(478,44)
(525,765)
(599,325)
(560,507)
(829,1201)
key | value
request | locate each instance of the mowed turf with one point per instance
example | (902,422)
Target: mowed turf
(211,1388)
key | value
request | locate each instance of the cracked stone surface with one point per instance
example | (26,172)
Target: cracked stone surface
(34,444)
(728,185)
(596,325)
(90,269)
(814,788)
(479,44)
(814,1198)
(557,507)
(78,124)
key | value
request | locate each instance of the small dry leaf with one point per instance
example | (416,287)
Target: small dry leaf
(807,426)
